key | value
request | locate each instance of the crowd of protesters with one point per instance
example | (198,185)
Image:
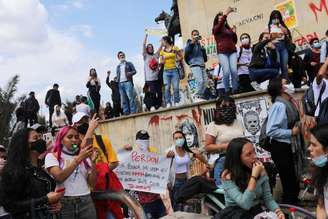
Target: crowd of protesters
(42,179)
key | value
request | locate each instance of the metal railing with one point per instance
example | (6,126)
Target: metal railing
(123,197)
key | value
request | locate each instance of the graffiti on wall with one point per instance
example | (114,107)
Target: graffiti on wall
(288,12)
(320,7)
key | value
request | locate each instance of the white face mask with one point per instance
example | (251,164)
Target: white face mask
(142,144)
(245,41)
(289,90)
(276,21)
(316,45)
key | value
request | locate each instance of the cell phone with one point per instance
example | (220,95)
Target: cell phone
(89,141)
(60,190)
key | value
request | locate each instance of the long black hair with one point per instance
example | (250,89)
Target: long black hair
(216,20)
(274,14)
(185,146)
(320,174)
(275,88)
(14,174)
(238,171)
(168,39)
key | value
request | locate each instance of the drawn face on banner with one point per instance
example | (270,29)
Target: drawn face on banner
(189,129)
(252,122)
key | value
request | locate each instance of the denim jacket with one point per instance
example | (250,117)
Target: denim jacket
(129,71)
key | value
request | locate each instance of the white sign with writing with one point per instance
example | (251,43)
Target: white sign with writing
(143,171)
(156,32)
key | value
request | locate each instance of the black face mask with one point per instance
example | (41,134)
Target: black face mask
(82,129)
(39,146)
(225,115)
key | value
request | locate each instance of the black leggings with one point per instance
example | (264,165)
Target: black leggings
(283,158)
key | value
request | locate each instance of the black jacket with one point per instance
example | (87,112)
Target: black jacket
(18,194)
(113,85)
(31,105)
(53,98)
(260,55)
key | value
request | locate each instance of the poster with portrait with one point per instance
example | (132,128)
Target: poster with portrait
(252,114)
(288,12)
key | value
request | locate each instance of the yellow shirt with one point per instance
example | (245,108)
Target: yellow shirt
(111,154)
(169,58)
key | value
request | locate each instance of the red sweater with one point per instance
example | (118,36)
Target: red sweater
(225,38)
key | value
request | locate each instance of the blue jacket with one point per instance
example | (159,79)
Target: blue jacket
(195,54)
(129,71)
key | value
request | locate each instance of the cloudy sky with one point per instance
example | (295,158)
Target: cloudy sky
(48,41)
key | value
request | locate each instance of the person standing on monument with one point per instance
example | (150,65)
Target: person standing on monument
(226,39)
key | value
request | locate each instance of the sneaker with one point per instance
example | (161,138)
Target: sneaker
(152,109)
(256,86)
(169,105)
(197,99)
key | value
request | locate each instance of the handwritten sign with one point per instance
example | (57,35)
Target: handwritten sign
(143,171)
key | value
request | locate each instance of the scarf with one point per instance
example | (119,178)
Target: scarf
(225,115)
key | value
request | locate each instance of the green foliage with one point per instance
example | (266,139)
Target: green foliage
(7,108)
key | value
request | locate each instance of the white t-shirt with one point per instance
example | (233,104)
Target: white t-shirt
(83,108)
(223,134)
(59,121)
(150,75)
(245,58)
(122,72)
(316,91)
(76,184)
(181,163)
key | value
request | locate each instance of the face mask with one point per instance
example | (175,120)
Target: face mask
(320,161)
(276,21)
(317,45)
(179,142)
(82,129)
(225,115)
(74,150)
(122,59)
(2,163)
(39,146)
(289,90)
(143,144)
(245,41)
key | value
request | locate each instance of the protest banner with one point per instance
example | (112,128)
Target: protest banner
(143,171)
(156,32)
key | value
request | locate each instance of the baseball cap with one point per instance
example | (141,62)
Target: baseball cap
(142,135)
(78,116)
(2,148)
(38,127)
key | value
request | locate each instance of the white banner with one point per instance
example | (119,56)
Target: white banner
(156,32)
(143,171)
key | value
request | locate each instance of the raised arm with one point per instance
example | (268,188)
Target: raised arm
(144,45)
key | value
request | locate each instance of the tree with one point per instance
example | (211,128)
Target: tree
(7,108)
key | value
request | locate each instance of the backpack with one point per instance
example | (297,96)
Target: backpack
(308,101)
(264,140)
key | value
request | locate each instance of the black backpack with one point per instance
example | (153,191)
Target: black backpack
(309,104)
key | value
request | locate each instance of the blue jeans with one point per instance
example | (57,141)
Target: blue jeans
(229,67)
(79,207)
(200,76)
(127,97)
(218,168)
(155,209)
(174,193)
(171,76)
(260,75)
(282,58)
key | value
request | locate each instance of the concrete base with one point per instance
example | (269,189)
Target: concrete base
(182,215)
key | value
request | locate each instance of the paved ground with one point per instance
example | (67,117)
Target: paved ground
(182,215)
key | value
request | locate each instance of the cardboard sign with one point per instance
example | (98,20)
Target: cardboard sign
(143,171)
(288,11)
(156,32)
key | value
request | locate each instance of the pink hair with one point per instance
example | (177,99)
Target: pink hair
(58,146)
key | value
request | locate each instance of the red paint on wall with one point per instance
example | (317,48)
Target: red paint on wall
(197,115)
(315,9)
(180,117)
(166,118)
(154,121)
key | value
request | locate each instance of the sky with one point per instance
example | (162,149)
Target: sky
(58,41)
